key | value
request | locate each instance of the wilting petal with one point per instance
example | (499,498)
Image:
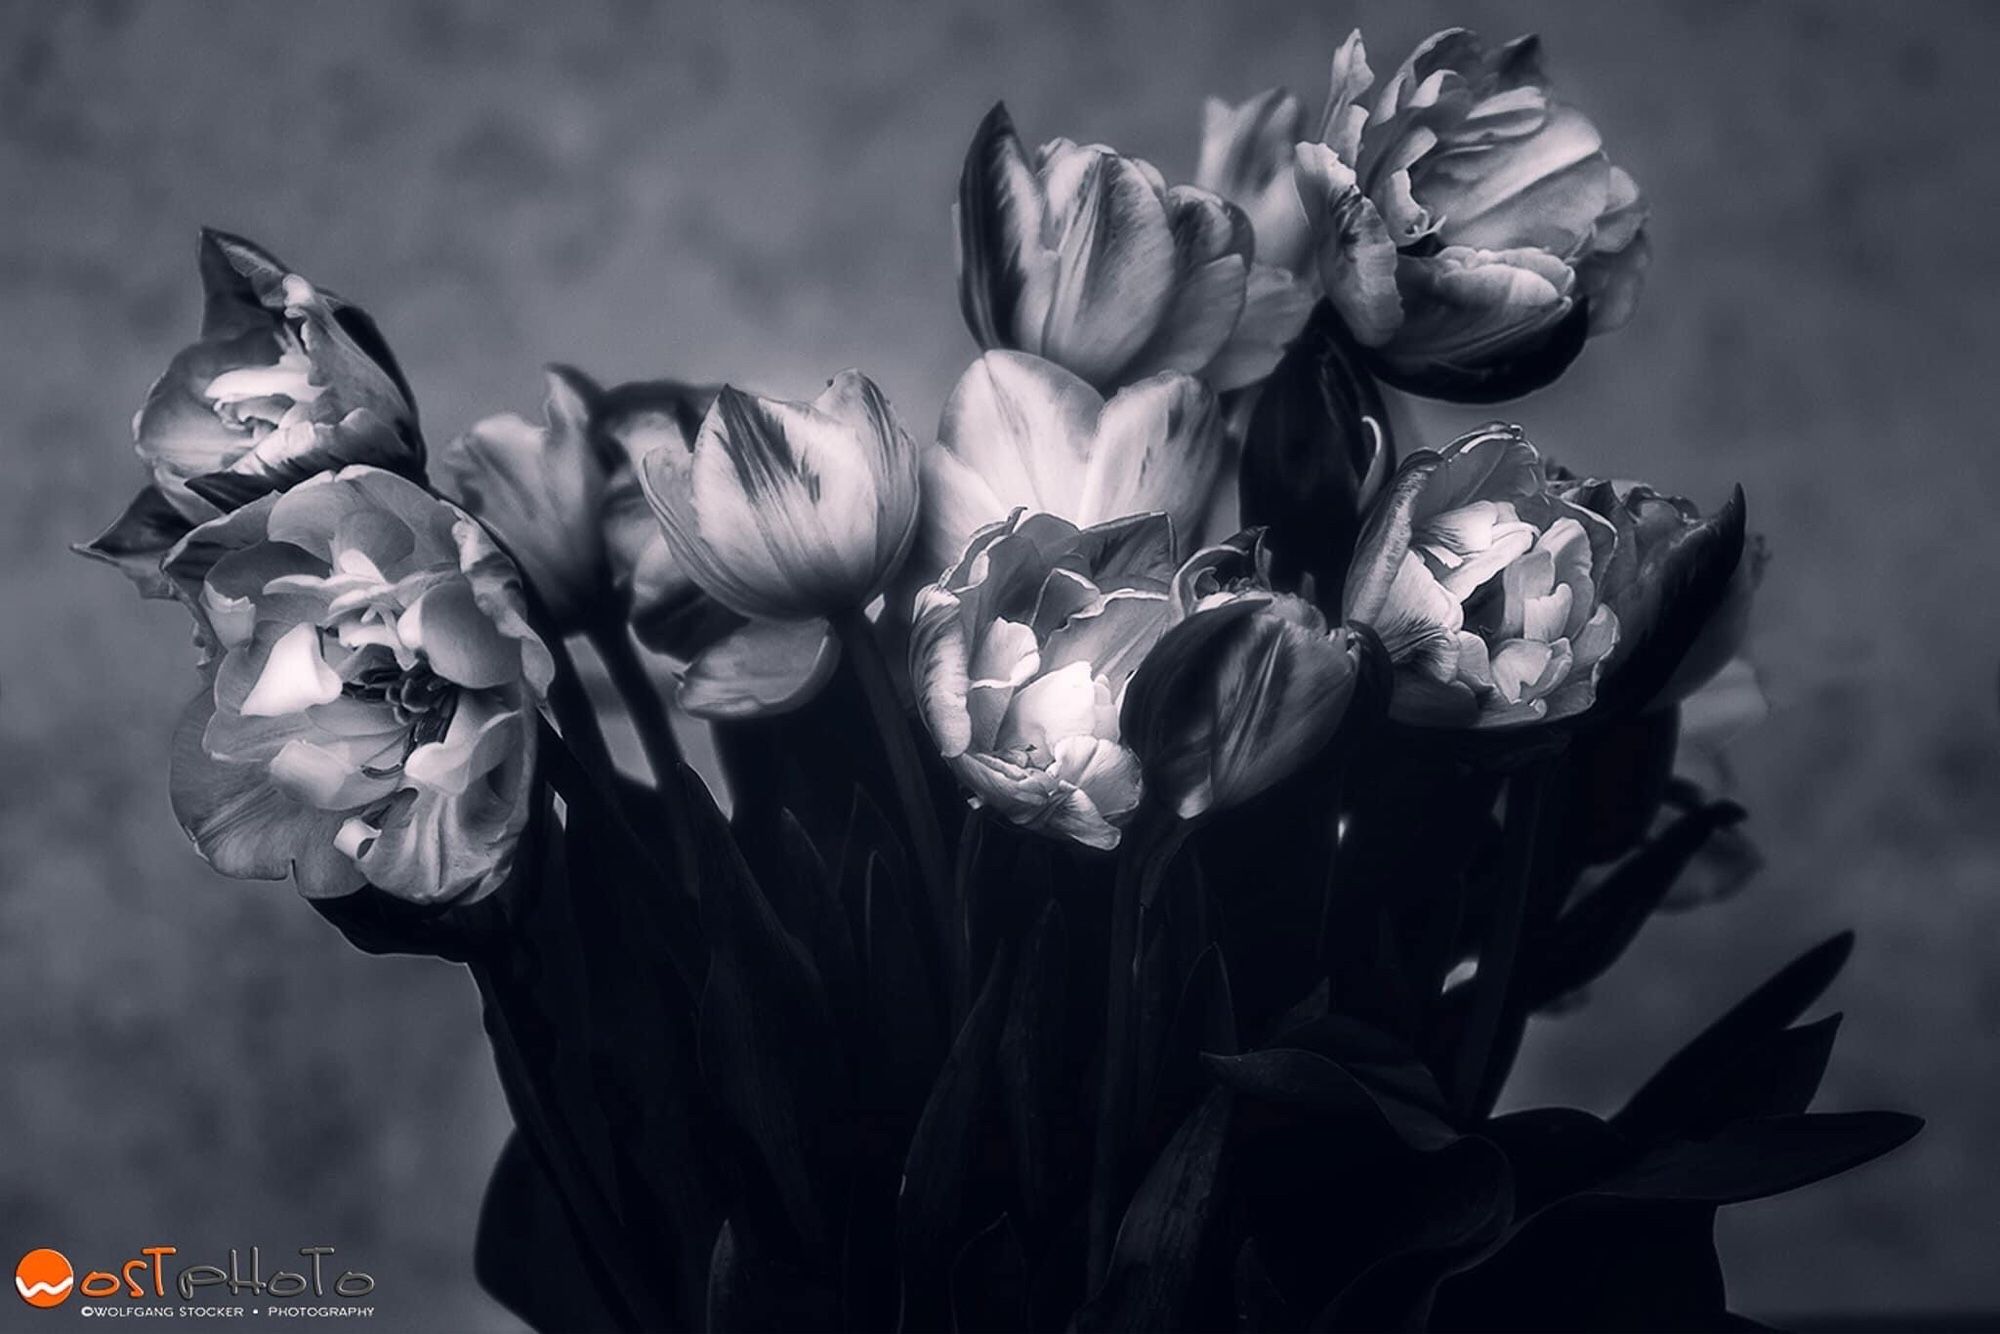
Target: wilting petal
(761,669)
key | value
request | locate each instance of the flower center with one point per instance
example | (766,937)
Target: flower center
(418,699)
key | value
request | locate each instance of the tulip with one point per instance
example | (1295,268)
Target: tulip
(1085,257)
(668,611)
(373,686)
(1246,157)
(540,491)
(286,380)
(1468,227)
(787,514)
(1680,583)
(1021,432)
(1486,587)
(1020,656)
(1244,690)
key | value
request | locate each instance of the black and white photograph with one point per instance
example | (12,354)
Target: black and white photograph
(808,666)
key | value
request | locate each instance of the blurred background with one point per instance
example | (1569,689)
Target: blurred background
(760,192)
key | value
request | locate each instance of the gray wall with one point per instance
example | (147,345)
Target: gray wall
(760,192)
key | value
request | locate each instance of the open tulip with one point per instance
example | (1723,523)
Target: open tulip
(787,514)
(1021,432)
(1468,227)
(1020,656)
(285,381)
(1087,258)
(1244,690)
(540,491)
(1486,587)
(1681,584)
(373,687)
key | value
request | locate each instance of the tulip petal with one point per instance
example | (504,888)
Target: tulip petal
(1357,260)
(1022,428)
(139,539)
(1160,447)
(1006,278)
(458,638)
(1276,305)
(1114,261)
(1246,157)
(760,670)
(243,826)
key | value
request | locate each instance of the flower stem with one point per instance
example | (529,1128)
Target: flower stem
(613,643)
(576,785)
(1149,846)
(857,640)
(1527,800)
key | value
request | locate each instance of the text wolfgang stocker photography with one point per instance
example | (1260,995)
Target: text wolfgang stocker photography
(1146,810)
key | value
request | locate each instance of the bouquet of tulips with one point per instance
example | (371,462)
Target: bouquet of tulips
(1144,816)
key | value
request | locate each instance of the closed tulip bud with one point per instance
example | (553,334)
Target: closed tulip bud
(1486,587)
(790,511)
(373,689)
(1087,258)
(285,381)
(1468,226)
(1681,584)
(1021,432)
(1020,656)
(1242,692)
(787,514)
(540,490)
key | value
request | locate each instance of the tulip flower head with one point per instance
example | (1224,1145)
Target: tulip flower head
(1681,584)
(373,685)
(1087,258)
(539,490)
(787,514)
(285,381)
(1485,586)
(1468,227)
(1243,690)
(1246,157)
(1020,656)
(1020,432)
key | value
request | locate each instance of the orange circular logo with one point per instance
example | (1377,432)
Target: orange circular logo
(44,1278)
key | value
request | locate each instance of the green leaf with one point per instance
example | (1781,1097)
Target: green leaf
(1591,936)
(1153,1260)
(527,1254)
(1662,1102)
(1750,1160)
(1293,1077)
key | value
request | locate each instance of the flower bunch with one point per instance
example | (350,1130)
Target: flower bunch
(1156,804)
